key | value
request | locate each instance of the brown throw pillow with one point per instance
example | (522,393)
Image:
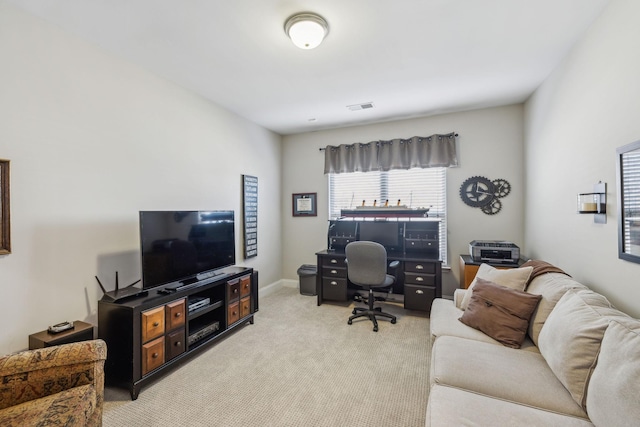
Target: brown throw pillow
(500,312)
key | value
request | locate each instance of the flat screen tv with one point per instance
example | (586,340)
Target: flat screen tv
(178,246)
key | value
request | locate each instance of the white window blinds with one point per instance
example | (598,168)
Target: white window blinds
(416,188)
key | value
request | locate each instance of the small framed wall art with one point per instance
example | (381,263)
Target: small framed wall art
(304,204)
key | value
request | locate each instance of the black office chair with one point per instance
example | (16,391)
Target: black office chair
(367,267)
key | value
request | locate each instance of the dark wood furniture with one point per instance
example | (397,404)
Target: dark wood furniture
(419,278)
(469,268)
(414,243)
(147,335)
(81,331)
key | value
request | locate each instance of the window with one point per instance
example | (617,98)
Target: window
(417,188)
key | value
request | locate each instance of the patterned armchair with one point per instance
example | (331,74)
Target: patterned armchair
(61,385)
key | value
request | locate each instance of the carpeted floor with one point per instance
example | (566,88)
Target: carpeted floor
(298,365)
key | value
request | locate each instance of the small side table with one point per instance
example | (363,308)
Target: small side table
(469,269)
(81,331)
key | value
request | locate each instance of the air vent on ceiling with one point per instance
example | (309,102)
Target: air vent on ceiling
(363,106)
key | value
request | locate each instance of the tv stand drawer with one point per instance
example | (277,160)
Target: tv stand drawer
(175,314)
(152,323)
(152,355)
(175,344)
(233,313)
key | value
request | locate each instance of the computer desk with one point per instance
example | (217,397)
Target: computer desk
(418,278)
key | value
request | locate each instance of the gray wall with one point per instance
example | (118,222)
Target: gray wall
(490,144)
(589,106)
(92,140)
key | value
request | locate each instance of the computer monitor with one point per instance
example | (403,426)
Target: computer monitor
(385,233)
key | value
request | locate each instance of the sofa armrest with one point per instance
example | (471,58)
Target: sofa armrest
(33,374)
(458,294)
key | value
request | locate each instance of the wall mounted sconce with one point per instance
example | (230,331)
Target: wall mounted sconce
(595,203)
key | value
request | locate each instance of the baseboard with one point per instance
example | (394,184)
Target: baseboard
(272,287)
(288,283)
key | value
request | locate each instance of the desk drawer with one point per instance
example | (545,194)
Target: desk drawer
(419,297)
(331,272)
(420,279)
(421,244)
(334,261)
(420,267)
(334,289)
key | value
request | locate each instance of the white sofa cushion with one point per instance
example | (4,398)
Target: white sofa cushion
(552,286)
(614,387)
(449,406)
(514,278)
(501,372)
(571,337)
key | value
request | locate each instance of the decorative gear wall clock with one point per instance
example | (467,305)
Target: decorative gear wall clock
(481,192)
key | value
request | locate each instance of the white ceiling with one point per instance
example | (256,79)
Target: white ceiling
(409,58)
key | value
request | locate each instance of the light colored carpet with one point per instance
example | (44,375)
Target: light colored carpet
(297,365)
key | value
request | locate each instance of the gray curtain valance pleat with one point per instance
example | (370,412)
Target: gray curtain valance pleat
(417,152)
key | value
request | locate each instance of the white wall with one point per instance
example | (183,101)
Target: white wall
(589,106)
(92,140)
(490,144)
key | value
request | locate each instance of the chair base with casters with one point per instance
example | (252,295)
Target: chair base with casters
(371,312)
(367,267)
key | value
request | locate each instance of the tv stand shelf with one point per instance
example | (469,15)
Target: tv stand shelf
(204,310)
(147,335)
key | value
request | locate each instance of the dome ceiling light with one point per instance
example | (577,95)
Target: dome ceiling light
(306,30)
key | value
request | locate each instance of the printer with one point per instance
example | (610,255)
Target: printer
(494,251)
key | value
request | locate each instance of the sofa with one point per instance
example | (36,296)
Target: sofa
(577,362)
(61,385)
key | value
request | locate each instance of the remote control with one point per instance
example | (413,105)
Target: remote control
(60,327)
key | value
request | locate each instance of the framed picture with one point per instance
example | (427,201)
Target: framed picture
(628,186)
(304,204)
(5,224)
(250,224)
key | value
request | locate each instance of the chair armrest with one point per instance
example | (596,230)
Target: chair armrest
(32,374)
(458,294)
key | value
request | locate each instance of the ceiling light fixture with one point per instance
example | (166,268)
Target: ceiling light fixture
(306,30)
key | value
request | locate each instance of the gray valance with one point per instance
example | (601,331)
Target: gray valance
(417,152)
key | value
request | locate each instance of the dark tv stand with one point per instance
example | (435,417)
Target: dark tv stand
(200,280)
(149,334)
